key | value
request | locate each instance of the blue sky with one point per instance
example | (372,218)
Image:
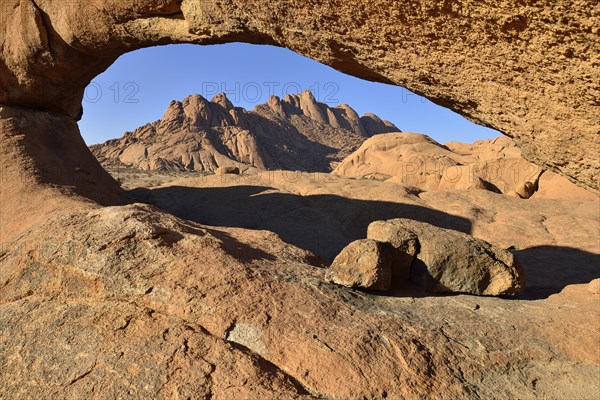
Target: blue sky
(138,87)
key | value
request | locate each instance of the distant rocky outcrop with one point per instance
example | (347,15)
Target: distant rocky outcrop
(497,165)
(227,171)
(293,133)
(417,160)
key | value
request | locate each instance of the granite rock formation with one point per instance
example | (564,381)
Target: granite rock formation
(293,133)
(417,160)
(363,264)
(102,302)
(447,261)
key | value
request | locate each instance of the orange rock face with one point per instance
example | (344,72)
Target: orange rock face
(415,159)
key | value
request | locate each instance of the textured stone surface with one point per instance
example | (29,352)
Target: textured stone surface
(527,69)
(364,264)
(114,349)
(38,170)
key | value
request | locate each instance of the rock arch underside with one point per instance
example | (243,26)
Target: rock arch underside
(127,301)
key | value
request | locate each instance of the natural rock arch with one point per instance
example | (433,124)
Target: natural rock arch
(526,69)
(72,310)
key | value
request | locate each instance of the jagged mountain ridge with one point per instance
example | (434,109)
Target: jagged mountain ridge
(293,133)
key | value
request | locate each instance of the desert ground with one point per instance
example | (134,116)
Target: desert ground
(261,287)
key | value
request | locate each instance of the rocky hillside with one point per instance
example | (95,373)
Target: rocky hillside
(293,133)
(417,160)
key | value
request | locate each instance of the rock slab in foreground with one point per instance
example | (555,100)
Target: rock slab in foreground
(451,261)
(363,263)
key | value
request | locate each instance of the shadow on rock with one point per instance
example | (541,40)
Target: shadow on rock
(548,269)
(325,224)
(322,224)
(240,251)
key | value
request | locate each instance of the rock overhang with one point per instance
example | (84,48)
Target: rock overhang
(526,70)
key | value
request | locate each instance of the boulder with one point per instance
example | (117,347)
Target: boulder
(405,246)
(365,264)
(448,261)
(227,171)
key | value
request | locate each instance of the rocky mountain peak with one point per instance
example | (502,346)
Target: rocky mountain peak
(308,97)
(195,110)
(222,100)
(297,133)
(174,111)
(342,116)
(274,103)
(195,105)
